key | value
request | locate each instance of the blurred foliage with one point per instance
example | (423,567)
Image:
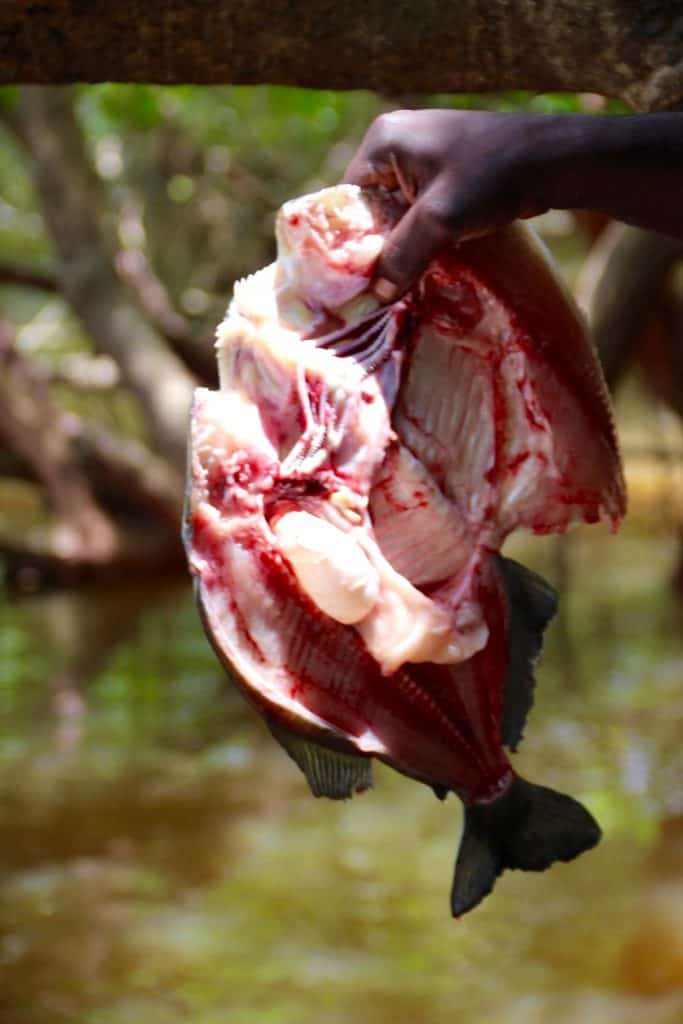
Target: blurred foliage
(193,177)
(196,173)
(199,173)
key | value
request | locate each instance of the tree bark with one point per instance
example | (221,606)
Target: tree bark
(631,49)
(75,206)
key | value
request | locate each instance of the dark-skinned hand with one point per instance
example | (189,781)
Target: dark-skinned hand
(466,173)
(461,172)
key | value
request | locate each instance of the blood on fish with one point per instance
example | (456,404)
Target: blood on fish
(453,307)
(514,464)
(473,406)
(217,483)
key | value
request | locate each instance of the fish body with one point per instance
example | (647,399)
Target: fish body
(351,484)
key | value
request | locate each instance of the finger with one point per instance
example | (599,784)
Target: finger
(407,186)
(359,172)
(362,172)
(415,240)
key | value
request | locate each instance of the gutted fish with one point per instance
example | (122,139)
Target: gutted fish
(351,485)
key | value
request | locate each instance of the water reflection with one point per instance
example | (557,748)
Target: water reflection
(161,860)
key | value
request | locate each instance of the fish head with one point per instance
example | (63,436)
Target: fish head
(328,243)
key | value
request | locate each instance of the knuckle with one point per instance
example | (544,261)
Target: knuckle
(389,130)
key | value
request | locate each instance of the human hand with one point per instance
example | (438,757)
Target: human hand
(465,173)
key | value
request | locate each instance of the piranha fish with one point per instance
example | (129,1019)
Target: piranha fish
(351,484)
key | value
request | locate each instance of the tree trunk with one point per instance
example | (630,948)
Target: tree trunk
(74,206)
(631,49)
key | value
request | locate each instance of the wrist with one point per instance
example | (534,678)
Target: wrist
(599,162)
(562,155)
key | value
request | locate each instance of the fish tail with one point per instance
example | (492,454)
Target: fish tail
(527,827)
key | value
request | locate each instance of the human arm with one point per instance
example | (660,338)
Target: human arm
(466,173)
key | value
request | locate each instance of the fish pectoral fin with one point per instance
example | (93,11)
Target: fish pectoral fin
(532,604)
(328,772)
(529,827)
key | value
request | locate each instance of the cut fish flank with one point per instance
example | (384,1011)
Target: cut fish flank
(350,487)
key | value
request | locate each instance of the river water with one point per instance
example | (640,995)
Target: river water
(162,861)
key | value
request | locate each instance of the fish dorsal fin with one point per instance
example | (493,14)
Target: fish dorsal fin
(328,772)
(532,604)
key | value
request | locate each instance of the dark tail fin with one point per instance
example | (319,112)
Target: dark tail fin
(528,827)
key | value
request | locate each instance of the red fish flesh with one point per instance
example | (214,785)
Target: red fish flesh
(351,484)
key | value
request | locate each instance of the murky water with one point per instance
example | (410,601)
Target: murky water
(161,860)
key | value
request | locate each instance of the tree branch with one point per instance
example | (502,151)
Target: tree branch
(617,47)
(26,277)
(619,286)
(75,205)
(129,476)
(198,355)
(74,461)
(133,267)
(41,555)
(34,429)
(660,357)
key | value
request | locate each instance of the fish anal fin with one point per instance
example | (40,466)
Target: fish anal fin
(529,827)
(532,603)
(329,773)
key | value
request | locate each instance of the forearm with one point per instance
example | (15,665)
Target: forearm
(628,167)
(467,173)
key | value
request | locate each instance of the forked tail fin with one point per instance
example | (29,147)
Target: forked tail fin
(528,827)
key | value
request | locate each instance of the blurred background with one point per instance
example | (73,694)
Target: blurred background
(161,860)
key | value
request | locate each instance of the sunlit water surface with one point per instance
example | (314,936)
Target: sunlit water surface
(162,860)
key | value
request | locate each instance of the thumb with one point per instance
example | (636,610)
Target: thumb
(418,236)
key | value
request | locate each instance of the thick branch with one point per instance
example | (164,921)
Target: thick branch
(73,204)
(619,286)
(660,357)
(41,554)
(33,428)
(128,474)
(615,47)
(27,277)
(133,267)
(75,461)
(197,355)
